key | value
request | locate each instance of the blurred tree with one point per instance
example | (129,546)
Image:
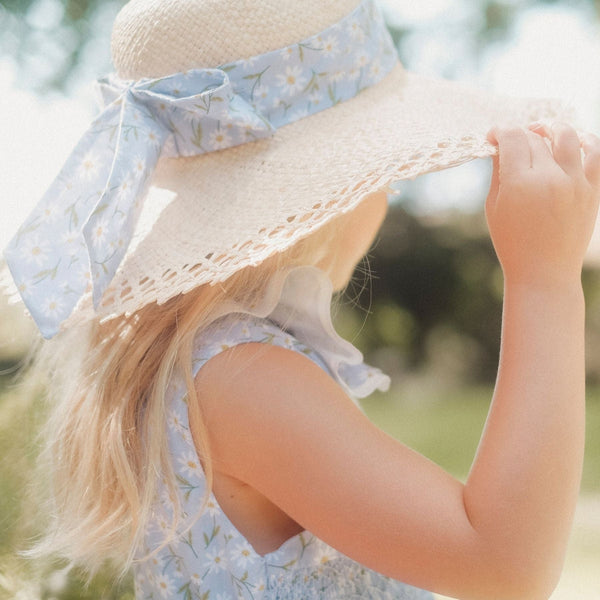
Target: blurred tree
(441,279)
(53,41)
(436,295)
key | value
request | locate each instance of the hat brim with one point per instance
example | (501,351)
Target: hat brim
(206,217)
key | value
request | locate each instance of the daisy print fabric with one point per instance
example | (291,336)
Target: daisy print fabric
(205,557)
(77,236)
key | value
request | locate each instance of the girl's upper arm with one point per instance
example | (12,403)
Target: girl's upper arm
(280,424)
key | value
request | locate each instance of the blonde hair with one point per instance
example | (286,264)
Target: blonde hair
(105,446)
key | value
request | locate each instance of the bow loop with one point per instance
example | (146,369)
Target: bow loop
(104,181)
(201,111)
(77,236)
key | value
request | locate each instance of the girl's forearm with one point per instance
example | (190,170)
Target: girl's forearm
(522,490)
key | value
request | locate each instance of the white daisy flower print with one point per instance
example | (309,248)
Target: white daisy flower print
(353,74)
(215,561)
(34,250)
(315,98)
(260,95)
(66,186)
(164,584)
(329,46)
(196,579)
(70,239)
(126,187)
(83,273)
(52,307)
(337,76)
(90,166)
(100,232)
(136,117)
(166,525)
(174,422)
(361,60)
(186,436)
(189,464)
(167,500)
(291,81)
(300,113)
(357,33)
(325,555)
(139,580)
(287,53)
(277,103)
(153,139)
(219,139)
(375,70)
(212,509)
(244,555)
(50,213)
(24,288)
(247,63)
(139,166)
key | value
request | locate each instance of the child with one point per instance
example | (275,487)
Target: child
(202,429)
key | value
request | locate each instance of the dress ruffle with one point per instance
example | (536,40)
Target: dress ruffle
(299,301)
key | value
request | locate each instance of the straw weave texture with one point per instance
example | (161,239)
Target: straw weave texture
(208,216)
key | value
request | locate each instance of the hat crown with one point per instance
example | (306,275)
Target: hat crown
(155,38)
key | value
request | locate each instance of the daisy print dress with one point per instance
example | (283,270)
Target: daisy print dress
(208,558)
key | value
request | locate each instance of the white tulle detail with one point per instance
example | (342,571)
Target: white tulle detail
(299,301)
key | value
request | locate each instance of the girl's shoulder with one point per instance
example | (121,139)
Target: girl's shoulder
(242,328)
(294,314)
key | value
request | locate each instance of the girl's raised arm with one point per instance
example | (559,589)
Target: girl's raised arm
(282,426)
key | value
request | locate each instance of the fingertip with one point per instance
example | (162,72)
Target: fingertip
(541,128)
(589,140)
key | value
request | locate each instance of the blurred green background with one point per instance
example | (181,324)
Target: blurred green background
(425,306)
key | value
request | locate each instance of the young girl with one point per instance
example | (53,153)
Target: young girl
(203,429)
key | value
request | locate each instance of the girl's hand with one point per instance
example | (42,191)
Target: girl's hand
(542,204)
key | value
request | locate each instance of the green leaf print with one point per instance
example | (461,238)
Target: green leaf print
(213,535)
(23,230)
(39,277)
(331,94)
(197,136)
(185,589)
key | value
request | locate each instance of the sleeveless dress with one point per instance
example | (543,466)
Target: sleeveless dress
(207,558)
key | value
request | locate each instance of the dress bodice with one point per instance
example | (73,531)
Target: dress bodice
(206,557)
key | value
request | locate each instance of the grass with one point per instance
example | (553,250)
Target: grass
(445,429)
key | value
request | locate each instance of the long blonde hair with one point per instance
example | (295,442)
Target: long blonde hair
(105,439)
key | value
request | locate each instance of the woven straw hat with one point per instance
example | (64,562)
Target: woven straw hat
(205,217)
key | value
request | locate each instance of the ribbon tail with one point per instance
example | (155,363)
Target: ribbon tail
(47,256)
(110,226)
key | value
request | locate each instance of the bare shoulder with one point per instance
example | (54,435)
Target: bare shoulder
(268,396)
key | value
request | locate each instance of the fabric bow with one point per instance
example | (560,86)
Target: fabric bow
(79,233)
(101,186)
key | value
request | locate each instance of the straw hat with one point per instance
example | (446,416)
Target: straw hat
(205,217)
